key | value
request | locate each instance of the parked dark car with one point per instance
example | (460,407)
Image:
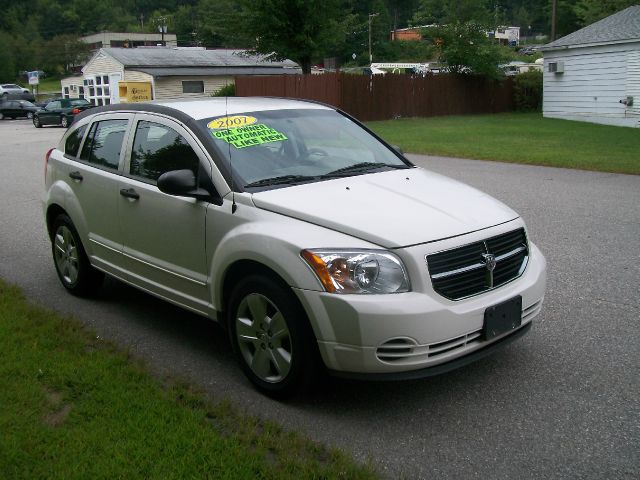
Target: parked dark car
(60,112)
(17,109)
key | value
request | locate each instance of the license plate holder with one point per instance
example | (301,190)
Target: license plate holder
(501,318)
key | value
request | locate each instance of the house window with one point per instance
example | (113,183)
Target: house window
(98,89)
(191,86)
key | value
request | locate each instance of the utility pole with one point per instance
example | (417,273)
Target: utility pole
(142,21)
(371,15)
(162,26)
(554,18)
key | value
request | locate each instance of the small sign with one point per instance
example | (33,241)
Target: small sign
(34,78)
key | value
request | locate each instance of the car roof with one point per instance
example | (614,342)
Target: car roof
(212,107)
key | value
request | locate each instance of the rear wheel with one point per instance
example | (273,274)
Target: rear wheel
(72,265)
(30,115)
(271,337)
(64,121)
(1,116)
(36,122)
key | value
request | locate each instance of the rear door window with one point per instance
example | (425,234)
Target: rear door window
(104,143)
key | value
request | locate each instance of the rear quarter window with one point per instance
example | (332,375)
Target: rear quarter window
(72,144)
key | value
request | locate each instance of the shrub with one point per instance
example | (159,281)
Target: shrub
(527,91)
(228,90)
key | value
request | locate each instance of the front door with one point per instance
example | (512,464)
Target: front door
(164,235)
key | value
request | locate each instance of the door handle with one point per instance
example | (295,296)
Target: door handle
(129,193)
(76,176)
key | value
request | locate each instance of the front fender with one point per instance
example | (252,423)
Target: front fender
(274,241)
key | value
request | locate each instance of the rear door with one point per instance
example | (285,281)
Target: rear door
(164,235)
(93,176)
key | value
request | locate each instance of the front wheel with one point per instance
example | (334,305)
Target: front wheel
(36,122)
(72,265)
(64,121)
(271,337)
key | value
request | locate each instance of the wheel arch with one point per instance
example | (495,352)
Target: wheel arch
(53,211)
(243,268)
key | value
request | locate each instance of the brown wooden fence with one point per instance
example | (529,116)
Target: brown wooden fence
(389,96)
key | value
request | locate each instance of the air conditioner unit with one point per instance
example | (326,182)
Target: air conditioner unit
(556,67)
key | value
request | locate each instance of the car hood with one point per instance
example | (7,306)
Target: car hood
(391,209)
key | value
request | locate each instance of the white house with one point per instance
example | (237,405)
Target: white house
(593,75)
(166,72)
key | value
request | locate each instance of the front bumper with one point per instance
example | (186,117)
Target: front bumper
(354,331)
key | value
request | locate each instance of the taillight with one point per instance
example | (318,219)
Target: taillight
(76,111)
(46,162)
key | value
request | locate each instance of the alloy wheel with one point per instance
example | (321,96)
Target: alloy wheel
(263,338)
(66,255)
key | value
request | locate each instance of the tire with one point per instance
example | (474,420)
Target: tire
(271,337)
(1,116)
(64,121)
(30,115)
(36,122)
(72,265)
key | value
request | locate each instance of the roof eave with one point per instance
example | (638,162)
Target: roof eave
(548,48)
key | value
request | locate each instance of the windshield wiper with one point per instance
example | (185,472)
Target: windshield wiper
(361,167)
(283,179)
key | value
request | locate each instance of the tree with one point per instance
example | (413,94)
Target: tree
(589,11)
(300,30)
(465,49)
(447,11)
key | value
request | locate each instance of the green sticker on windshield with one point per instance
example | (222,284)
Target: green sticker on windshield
(248,135)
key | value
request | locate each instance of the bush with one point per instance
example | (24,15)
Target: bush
(226,91)
(527,91)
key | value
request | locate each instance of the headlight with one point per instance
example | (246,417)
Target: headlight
(358,271)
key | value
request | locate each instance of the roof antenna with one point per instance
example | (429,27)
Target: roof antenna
(234,206)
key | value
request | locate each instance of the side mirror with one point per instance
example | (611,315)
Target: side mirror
(397,149)
(181,183)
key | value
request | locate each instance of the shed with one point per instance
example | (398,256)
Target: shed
(176,72)
(593,74)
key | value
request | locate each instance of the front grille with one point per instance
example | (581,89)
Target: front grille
(464,271)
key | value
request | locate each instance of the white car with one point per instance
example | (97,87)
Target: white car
(7,88)
(313,241)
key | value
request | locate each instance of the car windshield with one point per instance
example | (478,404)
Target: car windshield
(291,146)
(79,102)
(24,103)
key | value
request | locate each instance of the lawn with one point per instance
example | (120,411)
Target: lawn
(75,406)
(518,138)
(49,84)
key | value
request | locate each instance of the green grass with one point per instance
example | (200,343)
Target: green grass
(519,138)
(74,406)
(49,84)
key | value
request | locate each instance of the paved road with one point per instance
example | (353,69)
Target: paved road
(561,403)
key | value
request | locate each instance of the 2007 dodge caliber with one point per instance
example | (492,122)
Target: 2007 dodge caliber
(314,242)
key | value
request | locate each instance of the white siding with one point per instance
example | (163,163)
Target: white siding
(633,81)
(102,64)
(133,76)
(593,82)
(73,84)
(171,87)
